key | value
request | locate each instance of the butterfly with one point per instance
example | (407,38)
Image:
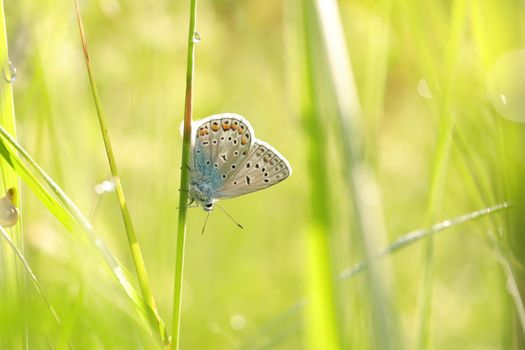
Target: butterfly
(228,161)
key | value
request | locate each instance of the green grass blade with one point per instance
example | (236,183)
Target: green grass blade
(417,235)
(33,277)
(134,246)
(359,176)
(14,281)
(7,108)
(63,209)
(322,326)
(184,177)
(440,163)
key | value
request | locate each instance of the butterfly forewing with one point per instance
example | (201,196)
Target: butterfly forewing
(262,168)
(225,141)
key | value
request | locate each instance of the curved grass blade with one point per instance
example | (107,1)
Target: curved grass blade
(404,241)
(414,236)
(57,202)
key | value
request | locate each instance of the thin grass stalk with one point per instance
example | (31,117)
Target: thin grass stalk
(14,280)
(323,329)
(31,274)
(509,246)
(405,241)
(440,165)
(184,177)
(134,246)
(7,107)
(368,218)
(512,286)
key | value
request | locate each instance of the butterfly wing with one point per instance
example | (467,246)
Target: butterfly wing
(261,168)
(221,143)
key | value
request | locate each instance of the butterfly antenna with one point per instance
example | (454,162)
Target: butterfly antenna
(205,222)
(232,219)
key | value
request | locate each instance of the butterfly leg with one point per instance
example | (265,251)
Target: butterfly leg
(191,204)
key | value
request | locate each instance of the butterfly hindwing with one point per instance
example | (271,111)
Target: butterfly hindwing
(262,168)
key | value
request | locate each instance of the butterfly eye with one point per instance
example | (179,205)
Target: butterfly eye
(209,205)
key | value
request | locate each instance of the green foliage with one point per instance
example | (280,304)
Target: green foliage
(395,115)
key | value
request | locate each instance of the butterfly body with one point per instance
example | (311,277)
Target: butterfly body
(228,161)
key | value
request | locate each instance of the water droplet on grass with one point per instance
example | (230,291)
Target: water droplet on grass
(9,72)
(423,90)
(237,322)
(196,37)
(105,187)
(506,85)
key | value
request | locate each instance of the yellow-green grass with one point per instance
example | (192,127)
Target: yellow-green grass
(427,129)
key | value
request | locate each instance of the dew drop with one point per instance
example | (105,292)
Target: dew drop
(196,37)
(506,85)
(9,72)
(105,187)
(446,223)
(237,322)
(423,89)
(503,99)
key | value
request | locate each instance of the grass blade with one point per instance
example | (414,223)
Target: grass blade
(134,246)
(404,241)
(439,165)
(14,280)
(321,317)
(63,209)
(359,176)
(29,271)
(184,177)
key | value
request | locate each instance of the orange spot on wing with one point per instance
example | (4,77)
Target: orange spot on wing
(244,141)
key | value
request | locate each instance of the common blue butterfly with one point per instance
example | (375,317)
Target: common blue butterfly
(228,161)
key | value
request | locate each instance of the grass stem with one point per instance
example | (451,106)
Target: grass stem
(184,178)
(134,246)
(14,281)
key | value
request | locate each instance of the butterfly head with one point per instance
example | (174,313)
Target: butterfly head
(207,206)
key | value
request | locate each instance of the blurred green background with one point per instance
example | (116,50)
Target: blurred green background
(435,133)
